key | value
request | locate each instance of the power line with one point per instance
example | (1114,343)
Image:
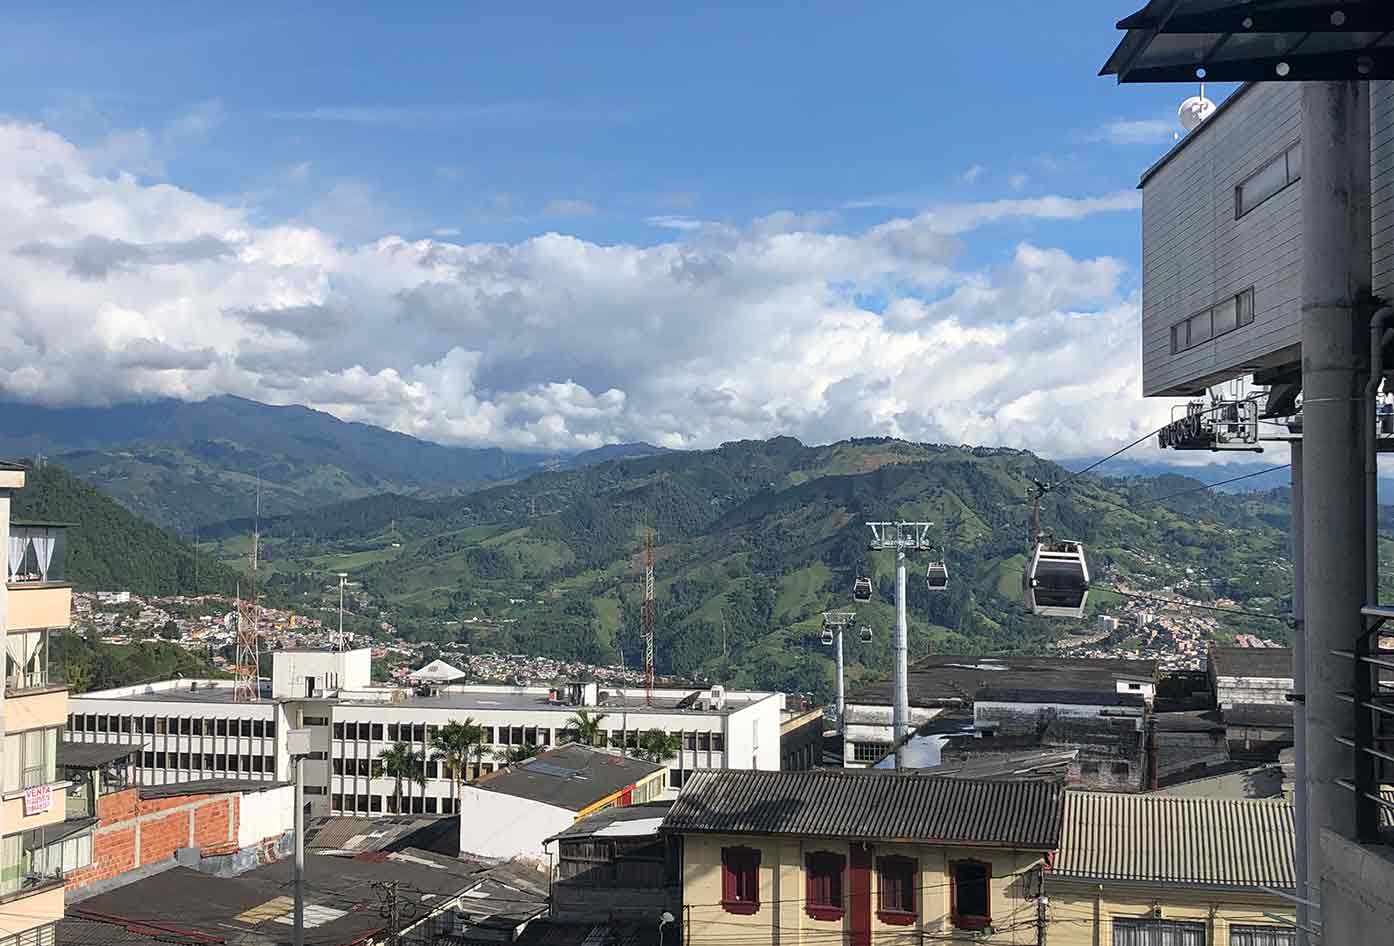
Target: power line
(1194,489)
(1157,599)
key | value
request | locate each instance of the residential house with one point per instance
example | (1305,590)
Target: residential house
(614,866)
(512,812)
(1160,870)
(805,858)
(34,600)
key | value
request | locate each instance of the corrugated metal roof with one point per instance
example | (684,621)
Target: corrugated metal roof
(871,804)
(1160,838)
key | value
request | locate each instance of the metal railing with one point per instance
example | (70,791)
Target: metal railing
(1372,739)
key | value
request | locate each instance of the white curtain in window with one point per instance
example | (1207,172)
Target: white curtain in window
(1262,935)
(15,553)
(1142,932)
(43,548)
(11,863)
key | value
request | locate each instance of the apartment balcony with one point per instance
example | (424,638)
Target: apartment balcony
(40,595)
(33,698)
(28,901)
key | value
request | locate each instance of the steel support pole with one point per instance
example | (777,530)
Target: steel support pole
(1299,710)
(1335,283)
(902,686)
(299,876)
(841,702)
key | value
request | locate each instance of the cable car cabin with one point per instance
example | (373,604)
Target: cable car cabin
(827,637)
(936,577)
(1057,582)
(865,634)
(861,589)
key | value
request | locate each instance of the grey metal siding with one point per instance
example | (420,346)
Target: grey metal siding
(1195,253)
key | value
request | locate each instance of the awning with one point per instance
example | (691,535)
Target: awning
(93,755)
(1255,41)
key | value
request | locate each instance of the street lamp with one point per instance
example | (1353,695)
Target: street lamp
(664,919)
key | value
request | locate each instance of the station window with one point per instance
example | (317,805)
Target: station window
(970,894)
(1253,935)
(895,902)
(740,880)
(1278,173)
(1234,312)
(823,885)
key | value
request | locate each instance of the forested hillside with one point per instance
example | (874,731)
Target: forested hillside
(109,548)
(754,540)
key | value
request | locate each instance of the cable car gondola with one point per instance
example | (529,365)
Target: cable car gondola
(865,634)
(861,589)
(827,637)
(936,576)
(1057,580)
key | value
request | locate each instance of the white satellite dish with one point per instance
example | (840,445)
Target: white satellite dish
(1195,110)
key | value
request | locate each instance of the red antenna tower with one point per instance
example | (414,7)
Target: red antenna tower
(648,617)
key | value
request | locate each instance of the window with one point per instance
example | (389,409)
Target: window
(1137,931)
(336,802)
(704,741)
(1277,174)
(392,732)
(1234,312)
(432,803)
(29,759)
(1089,768)
(338,730)
(740,880)
(319,756)
(363,802)
(314,721)
(896,883)
(689,741)
(315,789)
(26,660)
(970,897)
(338,766)
(823,885)
(377,731)
(1120,768)
(488,735)
(1240,935)
(718,742)
(870,751)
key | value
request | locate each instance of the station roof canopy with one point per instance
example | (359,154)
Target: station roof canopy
(1255,41)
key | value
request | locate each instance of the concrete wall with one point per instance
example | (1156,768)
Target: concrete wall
(263,815)
(782,920)
(35,606)
(1232,690)
(1357,892)
(752,736)
(496,825)
(1082,914)
(291,670)
(35,910)
(36,710)
(1026,718)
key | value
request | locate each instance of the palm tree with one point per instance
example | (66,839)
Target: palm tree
(583,728)
(400,762)
(512,755)
(453,743)
(658,746)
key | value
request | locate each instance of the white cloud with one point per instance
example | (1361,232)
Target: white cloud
(1017,181)
(405,116)
(1145,131)
(569,207)
(112,289)
(971,175)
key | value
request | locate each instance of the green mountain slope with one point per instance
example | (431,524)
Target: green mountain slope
(183,464)
(753,541)
(109,548)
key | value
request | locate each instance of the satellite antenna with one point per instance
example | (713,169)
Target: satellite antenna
(1195,110)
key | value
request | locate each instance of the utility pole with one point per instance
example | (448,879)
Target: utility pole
(298,745)
(1335,286)
(902,538)
(343,576)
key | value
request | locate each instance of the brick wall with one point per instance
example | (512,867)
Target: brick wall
(132,832)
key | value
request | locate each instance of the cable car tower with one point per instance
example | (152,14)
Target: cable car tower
(902,538)
(648,617)
(834,623)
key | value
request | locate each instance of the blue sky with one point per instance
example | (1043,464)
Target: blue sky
(637,125)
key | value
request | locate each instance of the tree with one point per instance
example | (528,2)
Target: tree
(170,631)
(400,762)
(658,746)
(78,675)
(512,755)
(584,728)
(453,743)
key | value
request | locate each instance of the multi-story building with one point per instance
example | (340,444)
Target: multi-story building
(33,706)
(194,729)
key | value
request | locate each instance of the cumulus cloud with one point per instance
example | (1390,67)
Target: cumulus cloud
(112,289)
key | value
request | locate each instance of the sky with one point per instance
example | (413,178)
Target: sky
(573,225)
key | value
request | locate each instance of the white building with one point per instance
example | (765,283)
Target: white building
(193,729)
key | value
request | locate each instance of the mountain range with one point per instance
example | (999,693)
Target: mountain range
(186,464)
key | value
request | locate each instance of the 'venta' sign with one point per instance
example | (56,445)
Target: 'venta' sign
(37,800)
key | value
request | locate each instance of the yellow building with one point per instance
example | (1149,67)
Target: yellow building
(1156,870)
(850,857)
(33,711)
